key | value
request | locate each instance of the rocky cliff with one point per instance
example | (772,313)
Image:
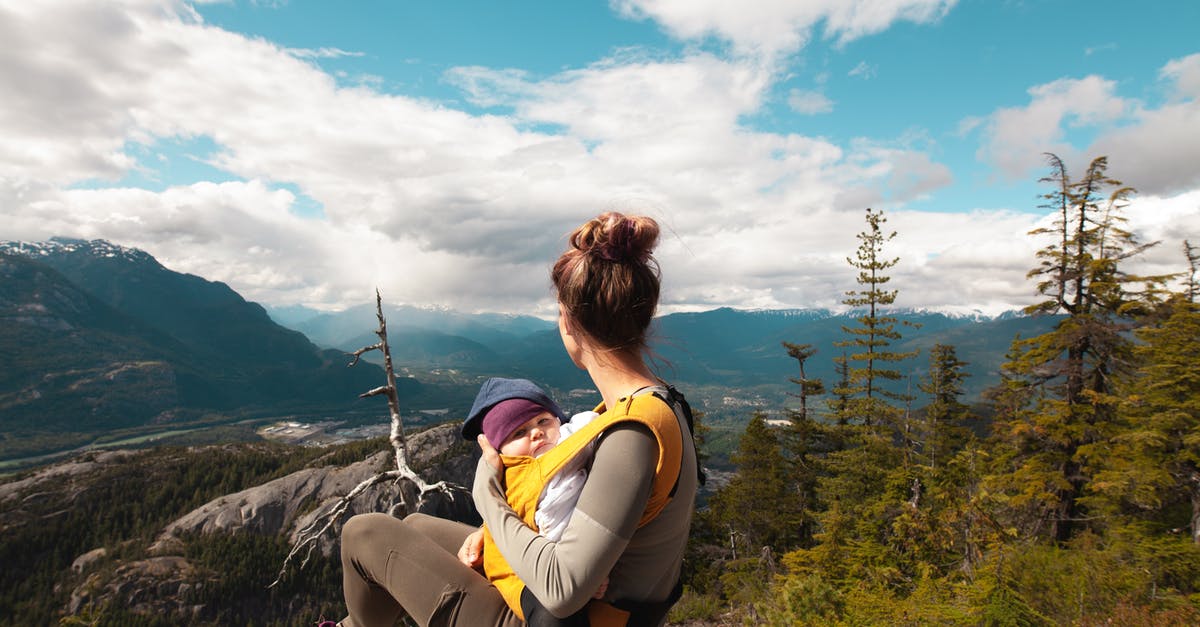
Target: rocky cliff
(78,538)
(288,504)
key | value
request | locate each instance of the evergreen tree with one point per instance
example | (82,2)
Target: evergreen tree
(942,431)
(805,443)
(864,485)
(1075,363)
(1154,463)
(937,528)
(868,368)
(839,405)
(760,486)
(808,387)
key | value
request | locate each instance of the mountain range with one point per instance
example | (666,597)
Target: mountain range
(98,337)
(723,347)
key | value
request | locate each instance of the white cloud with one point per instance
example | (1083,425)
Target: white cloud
(863,70)
(809,102)
(1185,74)
(1157,149)
(1016,137)
(774,27)
(439,206)
(321,53)
(1090,50)
(967,124)
(1153,149)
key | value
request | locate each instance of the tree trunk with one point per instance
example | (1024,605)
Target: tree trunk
(1195,492)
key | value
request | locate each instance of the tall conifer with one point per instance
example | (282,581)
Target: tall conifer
(1080,277)
(806,442)
(871,365)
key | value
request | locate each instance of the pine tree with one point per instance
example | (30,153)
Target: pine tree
(808,387)
(942,429)
(805,443)
(937,528)
(1154,463)
(867,368)
(1075,363)
(864,484)
(839,405)
(760,487)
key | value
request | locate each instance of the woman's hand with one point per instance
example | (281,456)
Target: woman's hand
(489,453)
(471,552)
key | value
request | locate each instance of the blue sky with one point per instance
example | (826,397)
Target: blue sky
(306,152)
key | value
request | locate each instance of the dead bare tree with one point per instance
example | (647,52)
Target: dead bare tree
(307,538)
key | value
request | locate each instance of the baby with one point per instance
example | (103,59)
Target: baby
(519,419)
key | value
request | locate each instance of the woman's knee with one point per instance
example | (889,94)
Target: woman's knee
(364,531)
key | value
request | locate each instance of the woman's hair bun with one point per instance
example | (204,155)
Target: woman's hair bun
(617,237)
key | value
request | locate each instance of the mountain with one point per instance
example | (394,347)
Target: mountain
(743,348)
(344,329)
(104,337)
(722,348)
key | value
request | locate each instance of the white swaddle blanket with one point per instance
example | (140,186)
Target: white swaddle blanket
(558,500)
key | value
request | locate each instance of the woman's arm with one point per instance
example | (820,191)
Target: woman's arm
(563,575)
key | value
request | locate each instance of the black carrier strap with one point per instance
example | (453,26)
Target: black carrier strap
(675,400)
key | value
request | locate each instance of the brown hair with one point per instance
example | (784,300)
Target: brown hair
(608,280)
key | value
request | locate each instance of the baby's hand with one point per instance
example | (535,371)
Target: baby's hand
(471,552)
(603,588)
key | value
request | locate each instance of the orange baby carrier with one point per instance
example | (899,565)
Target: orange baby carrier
(526,478)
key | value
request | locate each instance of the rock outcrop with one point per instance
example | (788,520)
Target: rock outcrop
(160,586)
(287,504)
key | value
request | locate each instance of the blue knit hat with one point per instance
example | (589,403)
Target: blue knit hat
(497,389)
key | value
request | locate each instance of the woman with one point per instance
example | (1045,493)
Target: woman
(607,285)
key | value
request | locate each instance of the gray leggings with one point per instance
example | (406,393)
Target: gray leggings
(391,566)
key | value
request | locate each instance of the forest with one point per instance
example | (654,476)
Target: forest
(1071,496)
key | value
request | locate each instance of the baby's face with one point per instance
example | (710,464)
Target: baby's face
(538,435)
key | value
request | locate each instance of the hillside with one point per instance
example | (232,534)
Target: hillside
(103,338)
(148,538)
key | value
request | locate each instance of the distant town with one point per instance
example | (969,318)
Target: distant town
(328,433)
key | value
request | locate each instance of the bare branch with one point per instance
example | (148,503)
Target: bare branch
(366,349)
(375,392)
(308,537)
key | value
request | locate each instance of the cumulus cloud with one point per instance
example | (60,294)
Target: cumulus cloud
(441,206)
(1153,148)
(1017,137)
(1185,74)
(1158,149)
(780,27)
